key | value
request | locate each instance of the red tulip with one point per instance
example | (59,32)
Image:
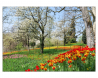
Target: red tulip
(48,61)
(53,67)
(28,70)
(37,67)
(35,70)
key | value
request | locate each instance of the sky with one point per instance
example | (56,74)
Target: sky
(57,18)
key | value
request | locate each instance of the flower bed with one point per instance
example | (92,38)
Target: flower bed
(78,59)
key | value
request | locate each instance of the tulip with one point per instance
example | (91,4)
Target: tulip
(79,55)
(69,56)
(50,64)
(86,54)
(83,58)
(45,69)
(28,70)
(53,67)
(35,70)
(42,67)
(37,67)
(48,61)
(74,57)
(41,64)
(93,54)
(70,66)
(82,52)
(69,61)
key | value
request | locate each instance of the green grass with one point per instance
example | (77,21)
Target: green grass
(22,64)
(19,64)
(35,58)
(72,44)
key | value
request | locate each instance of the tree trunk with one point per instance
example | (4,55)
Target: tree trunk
(57,44)
(64,40)
(41,45)
(94,23)
(42,42)
(28,42)
(88,35)
(89,32)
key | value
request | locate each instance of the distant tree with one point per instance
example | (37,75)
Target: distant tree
(79,39)
(72,32)
(33,44)
(48,30)
(84,36)
(73,40)
(8,42)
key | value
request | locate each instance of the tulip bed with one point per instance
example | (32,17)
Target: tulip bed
(68,58)
(78,59)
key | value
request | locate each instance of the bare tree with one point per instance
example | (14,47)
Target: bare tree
(40,16)
(87,21)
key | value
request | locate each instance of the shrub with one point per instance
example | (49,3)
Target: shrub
(73,40)
(19,46)
(32,44)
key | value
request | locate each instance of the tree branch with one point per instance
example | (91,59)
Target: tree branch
(45,35)
(34,19)
(46,16)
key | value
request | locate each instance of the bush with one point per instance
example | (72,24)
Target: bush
(73,40)
(32,44)
(19,46)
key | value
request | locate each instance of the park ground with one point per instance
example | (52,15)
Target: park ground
(53,59)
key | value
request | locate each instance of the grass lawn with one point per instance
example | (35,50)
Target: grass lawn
(23,60)
(72,44)
(34,57)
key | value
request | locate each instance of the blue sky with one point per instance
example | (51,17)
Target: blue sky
(57,16)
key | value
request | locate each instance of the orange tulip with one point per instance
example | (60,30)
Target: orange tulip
(74,57)
(42,67)
(87,51)
(82,52)
(83,58)
(50,64)
(93,54)
(69,61)
(55,61)
(45,64)
(79,55)
(70,66)
(69,56)
(45,69)
(86,54)
(41,64)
